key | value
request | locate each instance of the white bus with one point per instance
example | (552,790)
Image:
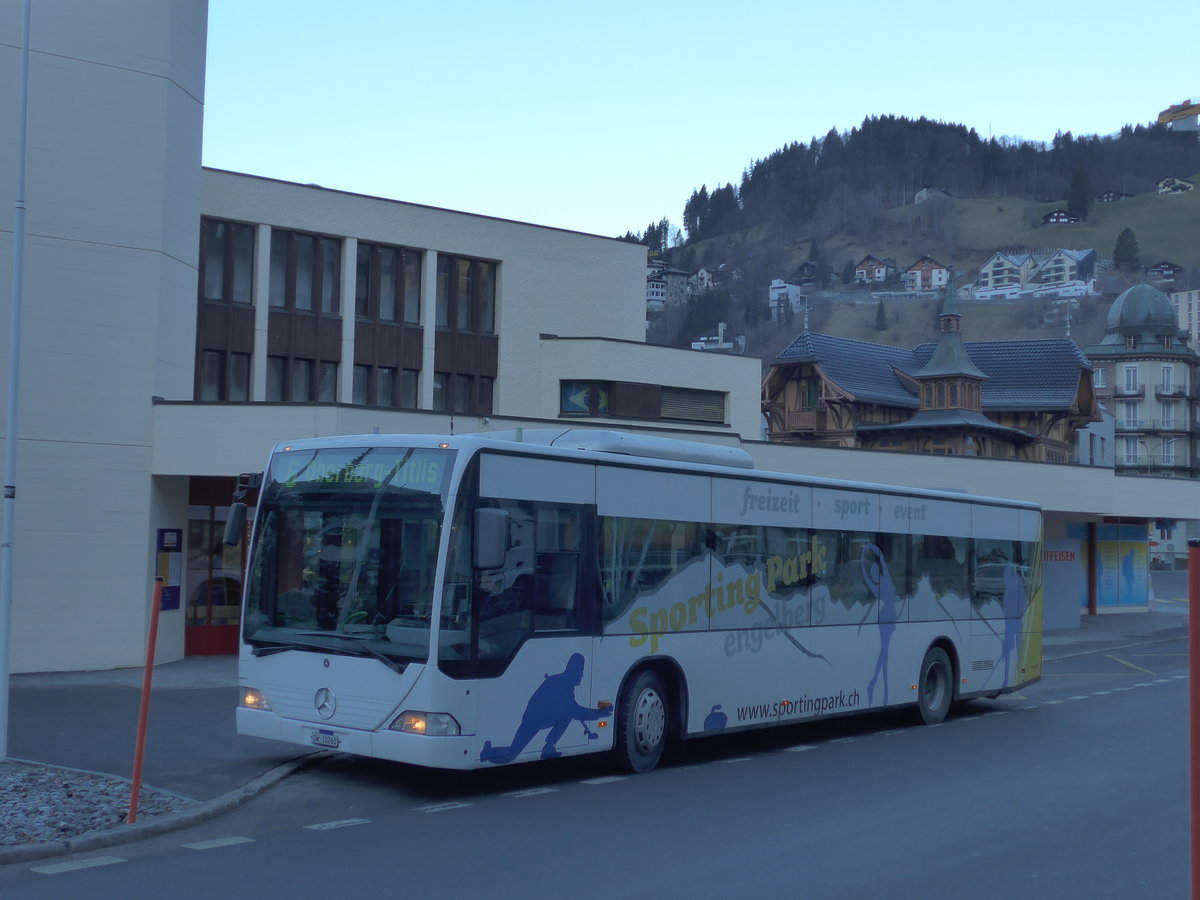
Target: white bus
(470,601)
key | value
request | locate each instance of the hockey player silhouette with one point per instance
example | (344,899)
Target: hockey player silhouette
(552,706)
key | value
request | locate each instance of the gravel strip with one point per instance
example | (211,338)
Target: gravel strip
(41,803)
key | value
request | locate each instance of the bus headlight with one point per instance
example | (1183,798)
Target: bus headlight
(416,722)
(253,698)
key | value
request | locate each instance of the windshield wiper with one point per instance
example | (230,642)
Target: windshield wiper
(364,649)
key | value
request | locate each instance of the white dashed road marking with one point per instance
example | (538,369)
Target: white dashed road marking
(58,868)
(217,842)
(339,823)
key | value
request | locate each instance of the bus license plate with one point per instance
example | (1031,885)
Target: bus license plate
(326,739)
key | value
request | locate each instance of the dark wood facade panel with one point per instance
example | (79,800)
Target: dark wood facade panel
(383,344)
(466,354)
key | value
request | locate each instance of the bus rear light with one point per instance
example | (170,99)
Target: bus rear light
(416,722)
(253,698)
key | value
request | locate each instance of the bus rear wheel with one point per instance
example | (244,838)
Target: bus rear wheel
(935,687)
(642,722)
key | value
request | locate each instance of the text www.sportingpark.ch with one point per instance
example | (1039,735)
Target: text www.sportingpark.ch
(817,706)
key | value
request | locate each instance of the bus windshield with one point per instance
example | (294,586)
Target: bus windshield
(345,552)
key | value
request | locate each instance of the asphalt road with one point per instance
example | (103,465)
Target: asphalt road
(1076,788)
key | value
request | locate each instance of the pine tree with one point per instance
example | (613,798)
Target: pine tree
(881,317)
(1125,253)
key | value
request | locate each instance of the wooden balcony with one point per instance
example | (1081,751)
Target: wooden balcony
(808,420)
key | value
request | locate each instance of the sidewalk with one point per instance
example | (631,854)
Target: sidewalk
(87,721)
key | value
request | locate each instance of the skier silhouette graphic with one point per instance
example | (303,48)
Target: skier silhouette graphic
(1015,601)
(552,706)
(879,581)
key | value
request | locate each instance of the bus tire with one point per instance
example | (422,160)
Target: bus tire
(935,687)
(642,722)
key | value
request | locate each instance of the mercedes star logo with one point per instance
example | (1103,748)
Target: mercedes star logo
(325,703)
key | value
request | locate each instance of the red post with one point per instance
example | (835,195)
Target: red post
(1194,704)
(144,711)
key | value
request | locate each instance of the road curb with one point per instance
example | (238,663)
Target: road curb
(124,834)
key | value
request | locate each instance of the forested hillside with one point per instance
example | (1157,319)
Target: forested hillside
(836,198)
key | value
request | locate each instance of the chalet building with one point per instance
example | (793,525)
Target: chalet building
(1172,185)
(805,274)
(1001,399)
(926,274)
(1111,196)
(1162,272)
(1059,217)
(872,269)
(1146,375)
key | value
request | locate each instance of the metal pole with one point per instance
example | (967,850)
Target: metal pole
(139,744)
(14,378)
(1194,705)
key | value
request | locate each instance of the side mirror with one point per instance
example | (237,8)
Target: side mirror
(235,524)
(491,538)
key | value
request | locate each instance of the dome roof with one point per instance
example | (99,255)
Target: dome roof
(1142,306)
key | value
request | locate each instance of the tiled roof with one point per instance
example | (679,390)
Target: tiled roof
(1032,375)
(859,367)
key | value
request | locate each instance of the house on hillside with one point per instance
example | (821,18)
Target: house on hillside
(665,285)
(805,274)
(1003,399)
(926,274)
(871,269)
(1172,185)
(709,278)
(1058,217)
(1163,272)
(1067,265)
(784,299)
(1111,196)
(1004,271)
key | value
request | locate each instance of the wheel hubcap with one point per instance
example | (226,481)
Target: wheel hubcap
(649,721)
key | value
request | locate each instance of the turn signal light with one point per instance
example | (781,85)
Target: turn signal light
(253,698)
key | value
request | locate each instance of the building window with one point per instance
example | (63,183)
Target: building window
(583,398)
(362,380)
(388,284)
(441,383)
(305,272)
(227,258)
(385,386)
(212,364)
(300,381)
(408,389)
(639,401)
(276,370)
(1098,377)
(462,400)
(239,377)
(466,294)
(1131,378)
(327,388)
(224,377)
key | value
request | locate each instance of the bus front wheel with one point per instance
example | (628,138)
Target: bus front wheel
(642,722)
(935,687)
